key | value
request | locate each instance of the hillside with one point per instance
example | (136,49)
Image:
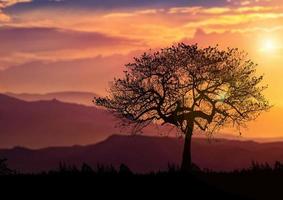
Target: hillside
(51,123)
(143,154)
(84,98)
(45,123)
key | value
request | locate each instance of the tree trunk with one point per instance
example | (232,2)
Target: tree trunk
(187,158)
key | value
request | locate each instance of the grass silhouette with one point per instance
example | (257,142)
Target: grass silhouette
(259,181)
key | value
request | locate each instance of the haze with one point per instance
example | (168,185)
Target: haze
(68,45)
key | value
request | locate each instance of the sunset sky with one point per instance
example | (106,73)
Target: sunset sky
(63,45)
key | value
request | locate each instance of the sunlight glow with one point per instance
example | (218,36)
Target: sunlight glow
(268,46)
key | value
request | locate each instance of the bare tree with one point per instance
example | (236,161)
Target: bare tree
(190,88)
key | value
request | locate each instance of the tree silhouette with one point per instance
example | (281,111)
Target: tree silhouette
(190,88)
(4,170)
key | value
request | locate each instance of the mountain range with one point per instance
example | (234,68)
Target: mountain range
(145,154)
(84,98)
(51,123)
(44,123)
(37,135)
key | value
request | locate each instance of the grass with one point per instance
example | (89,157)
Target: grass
(260,181)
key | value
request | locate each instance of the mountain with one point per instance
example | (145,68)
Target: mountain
(54,123)
(51,123)
(144,154)
(84,98)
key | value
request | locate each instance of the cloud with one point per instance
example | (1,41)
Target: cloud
(134,13)
(250,42)
(24,44)
(52,31)
(114,4)
(7,3)
(197,10)
(4,17)
(90,74)
(225,39)
(232,19)
(86,33)
(251,2)
(156,22)
(46,39)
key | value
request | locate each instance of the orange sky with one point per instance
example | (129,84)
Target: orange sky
(53,45)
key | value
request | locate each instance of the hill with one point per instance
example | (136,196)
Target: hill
(144,154)
(84,98)
(47,123)
(51,123)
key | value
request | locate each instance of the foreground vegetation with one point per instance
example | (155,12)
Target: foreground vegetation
(260,181)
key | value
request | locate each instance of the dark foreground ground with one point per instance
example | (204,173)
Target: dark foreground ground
(257,182)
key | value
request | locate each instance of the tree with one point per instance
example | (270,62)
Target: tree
(189,88)
(4,170)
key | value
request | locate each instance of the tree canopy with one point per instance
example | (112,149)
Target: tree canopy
(210,87)
(188,87)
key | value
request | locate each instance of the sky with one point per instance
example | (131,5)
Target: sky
(59,45)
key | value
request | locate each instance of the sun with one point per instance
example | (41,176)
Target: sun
(268,45)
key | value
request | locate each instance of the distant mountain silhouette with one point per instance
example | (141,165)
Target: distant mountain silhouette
(54,123)
(84,98)
(51,123)
(144,154)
